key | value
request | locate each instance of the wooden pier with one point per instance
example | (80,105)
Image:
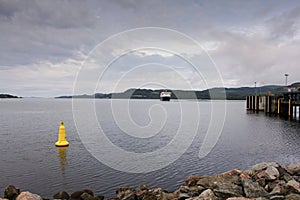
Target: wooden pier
(286,105)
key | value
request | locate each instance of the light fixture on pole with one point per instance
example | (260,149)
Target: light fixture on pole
(286,78)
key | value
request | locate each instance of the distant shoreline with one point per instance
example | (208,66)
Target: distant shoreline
(8,96)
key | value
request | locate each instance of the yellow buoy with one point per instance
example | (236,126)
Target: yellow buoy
(62,141)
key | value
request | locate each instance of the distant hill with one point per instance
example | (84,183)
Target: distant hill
(213,93)
(8,96)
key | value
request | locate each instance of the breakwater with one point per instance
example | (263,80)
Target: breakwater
(263,181)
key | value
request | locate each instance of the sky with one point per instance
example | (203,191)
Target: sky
(57,47)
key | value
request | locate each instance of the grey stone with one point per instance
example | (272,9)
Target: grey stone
(294,186)
(272,172)
(61,195)
(226,190)
(277,197)
(253,189)
(28,196)
(264,165)
(293,168)
(183,196)
(292,197)
(11,192)
(207,195)
(123,191)
(86,196)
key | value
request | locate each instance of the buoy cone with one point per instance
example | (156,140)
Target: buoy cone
(62,141)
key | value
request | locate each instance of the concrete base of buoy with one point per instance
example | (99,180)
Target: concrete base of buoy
(62,141)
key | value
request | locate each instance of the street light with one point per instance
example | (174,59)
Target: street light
(286,77)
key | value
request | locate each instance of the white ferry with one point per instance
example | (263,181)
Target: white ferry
(165,96)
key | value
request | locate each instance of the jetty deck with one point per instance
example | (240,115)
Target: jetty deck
(286,104)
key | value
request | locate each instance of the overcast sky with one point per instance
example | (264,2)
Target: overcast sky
(45,44)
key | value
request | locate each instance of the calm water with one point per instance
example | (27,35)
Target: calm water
(30,160)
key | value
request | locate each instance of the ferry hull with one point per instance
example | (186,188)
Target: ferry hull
(165,98)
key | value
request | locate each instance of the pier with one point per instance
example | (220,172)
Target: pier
(286,104)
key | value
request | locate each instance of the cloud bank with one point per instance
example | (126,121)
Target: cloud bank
(44,43)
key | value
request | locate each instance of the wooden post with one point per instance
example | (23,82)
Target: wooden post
(257,103)
(290,107)
(247,102)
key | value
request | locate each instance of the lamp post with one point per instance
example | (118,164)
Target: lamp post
(255,88)
(286,78)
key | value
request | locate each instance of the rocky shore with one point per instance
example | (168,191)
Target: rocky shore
(263,181)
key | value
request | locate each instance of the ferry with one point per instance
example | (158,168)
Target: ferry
(165,96)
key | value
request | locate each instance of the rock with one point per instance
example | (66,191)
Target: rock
(207,195)
(292,197)
(149,196)
(61,195)
(76,195)
(209,182)
(261,166)
(277,197)
(278,189)
(239,198)
(86,196)
(183,196)
(191,191)
(99,197)
(130,196)
(191,180)
(240,173)
(297,178)
(293,186)
(123,191)
(272,172)
(226,190)
(293,169)
(253,189)
(28,196)
(11,192)
(142,188)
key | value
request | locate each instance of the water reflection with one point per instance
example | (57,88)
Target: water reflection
(62,155)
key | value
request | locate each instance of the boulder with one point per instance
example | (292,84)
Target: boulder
(76,195)
(191,180)
(86,196)
(261,166)
(278,189)
(209,182)
(183,196)
(277,197)
(11,192)
(293,186)
(61,195)
(123,191)
(226,190)
(272,173)
(253,189)
(149,196)
(292,197)
(28,196)
(293,169)
(207,195)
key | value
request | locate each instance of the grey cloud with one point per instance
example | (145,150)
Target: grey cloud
(286,25)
